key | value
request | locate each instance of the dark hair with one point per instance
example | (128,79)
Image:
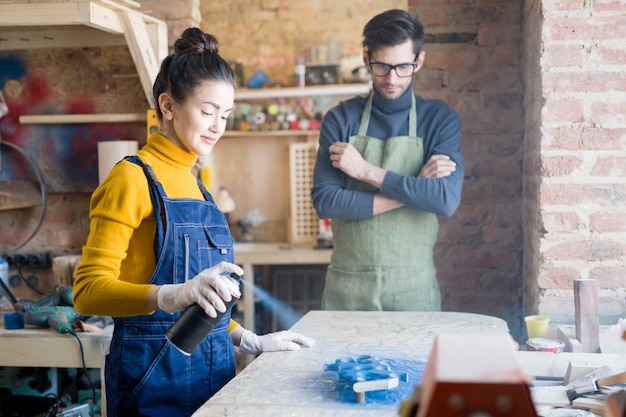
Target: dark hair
(392,28)
(195,59)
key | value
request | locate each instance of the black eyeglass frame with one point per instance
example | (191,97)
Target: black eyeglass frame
(392,67)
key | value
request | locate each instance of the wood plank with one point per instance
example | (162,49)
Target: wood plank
(552,396)
(571,343)
(141,51)
(19,194)
(586,314)
(65,13)
(83,118)
(57,37)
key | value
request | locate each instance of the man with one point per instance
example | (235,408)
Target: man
(387,166)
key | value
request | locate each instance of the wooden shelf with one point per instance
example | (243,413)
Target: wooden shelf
(318,90)
(269,133)
(240,95)
(30,24)
(45,119)
(19,194)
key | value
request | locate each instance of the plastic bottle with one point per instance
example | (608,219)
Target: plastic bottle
(300,72)
(4,276)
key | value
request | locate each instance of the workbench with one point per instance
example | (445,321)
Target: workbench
(294,383)
(249,254)
(33,346)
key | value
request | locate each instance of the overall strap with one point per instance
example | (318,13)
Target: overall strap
(157,194)
(205,192)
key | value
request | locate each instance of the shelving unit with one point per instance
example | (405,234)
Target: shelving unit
(32,24)
(288,92)
(240,94)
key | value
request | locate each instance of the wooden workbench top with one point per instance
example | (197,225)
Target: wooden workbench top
(294,383)
(32,346)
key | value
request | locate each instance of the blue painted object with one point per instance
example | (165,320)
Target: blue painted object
(369,368)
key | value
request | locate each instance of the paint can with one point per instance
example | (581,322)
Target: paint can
(545,345)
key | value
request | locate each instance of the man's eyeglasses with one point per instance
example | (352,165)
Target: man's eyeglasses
(380,69)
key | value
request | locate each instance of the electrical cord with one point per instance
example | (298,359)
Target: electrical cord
(31,282)
(44,194)
(91,385)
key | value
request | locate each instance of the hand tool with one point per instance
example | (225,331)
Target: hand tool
(592,384)
(58,318)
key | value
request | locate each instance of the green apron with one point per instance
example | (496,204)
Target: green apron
(386,262)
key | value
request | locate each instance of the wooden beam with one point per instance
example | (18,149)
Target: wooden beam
(586,314)
(141,50)
(83,118)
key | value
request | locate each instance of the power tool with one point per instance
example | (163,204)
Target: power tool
(59,318)
(61,296)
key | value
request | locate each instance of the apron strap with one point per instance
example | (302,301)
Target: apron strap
(365,116)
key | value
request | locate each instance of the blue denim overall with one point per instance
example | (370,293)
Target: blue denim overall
(145,374)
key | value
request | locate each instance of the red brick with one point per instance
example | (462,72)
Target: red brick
(554,277)
(505,56)
(607,55)
(607,222)
(604,195)
(609,276)
(433,17)
(610,166)
(555,56)
(559,166)
(504,237)
(554,222)
(485,258)
(586,250)
(585,82)
(584,28)
(583,138)
(608,5)
(450,59)
(563,5)
(609,115)
(563,111)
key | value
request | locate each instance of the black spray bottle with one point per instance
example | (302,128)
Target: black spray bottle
(193,326)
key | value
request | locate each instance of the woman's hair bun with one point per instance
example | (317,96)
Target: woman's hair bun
(194,40)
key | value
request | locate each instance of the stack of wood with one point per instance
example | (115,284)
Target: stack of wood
(599,390)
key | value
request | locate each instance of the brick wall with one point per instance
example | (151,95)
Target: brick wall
(473,63)
(539,86)
(575,179)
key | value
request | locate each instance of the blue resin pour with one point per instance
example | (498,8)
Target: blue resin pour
(355,368)
(368,368)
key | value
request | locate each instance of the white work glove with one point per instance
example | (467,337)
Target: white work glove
(283,340)
(208,289)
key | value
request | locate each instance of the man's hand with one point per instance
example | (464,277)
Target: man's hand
(345,157)
(438,166)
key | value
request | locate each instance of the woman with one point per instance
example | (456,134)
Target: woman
(158,244)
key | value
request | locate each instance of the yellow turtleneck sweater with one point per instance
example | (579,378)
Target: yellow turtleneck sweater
(118,258)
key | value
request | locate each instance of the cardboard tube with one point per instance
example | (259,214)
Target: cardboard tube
(111,152)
